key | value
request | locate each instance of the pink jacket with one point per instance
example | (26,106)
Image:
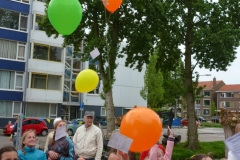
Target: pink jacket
(168,151)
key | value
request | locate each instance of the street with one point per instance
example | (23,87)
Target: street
(204,135)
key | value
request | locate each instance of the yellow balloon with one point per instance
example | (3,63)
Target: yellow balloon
(86,81)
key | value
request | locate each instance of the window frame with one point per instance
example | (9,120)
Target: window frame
(15,81)
(105,112)
(13,105)
(206,100)
(206,92)
(204,112)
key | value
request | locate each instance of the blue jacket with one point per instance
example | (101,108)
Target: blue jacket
(64,147)
(31,154)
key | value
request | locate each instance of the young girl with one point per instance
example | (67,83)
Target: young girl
(61,148)
(29,152)
(200,157)
(157,152)
(8,153)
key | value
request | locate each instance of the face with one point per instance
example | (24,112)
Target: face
(30,139)
(160,155)
(88,120)
(114,156)
(11,155)
(60,124)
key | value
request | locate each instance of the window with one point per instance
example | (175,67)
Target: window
(42,1)
(222,95)
(13,20)
(24,1)
(198,101)
(206,102)
(206,112)
(229,95)
(206,94)
(49,53)
(9,108)
(38,19)
(229,104)
(12,50)
(44,81)
(43,110)
(103,111)
(11,80)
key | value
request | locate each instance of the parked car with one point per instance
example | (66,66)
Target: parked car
(36,124)
(72,127)
(215,119)
(184,122)
(201,119)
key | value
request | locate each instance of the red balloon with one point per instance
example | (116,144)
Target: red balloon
(112,5)
(142,125)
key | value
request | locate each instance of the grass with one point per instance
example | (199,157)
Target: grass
(215,149)
(211,125)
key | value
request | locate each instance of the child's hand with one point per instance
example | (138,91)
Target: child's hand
(123,155)
(170,132)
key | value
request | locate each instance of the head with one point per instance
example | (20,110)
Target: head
(56,120)
(59,124)
(200,157)
(16,118)
(88,118)
(114,156)
(29,139)
(8,153)
(237,128)
(159,151)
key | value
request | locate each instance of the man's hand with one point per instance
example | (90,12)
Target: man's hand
(53,155)
(170,132)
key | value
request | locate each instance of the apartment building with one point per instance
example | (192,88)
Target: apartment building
(207,95)
(228,96)
(37,75)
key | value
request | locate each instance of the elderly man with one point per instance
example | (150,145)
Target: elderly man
(88,139)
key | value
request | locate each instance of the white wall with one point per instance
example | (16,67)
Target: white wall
(38,7)
(41,95)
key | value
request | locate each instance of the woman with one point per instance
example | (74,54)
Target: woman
(61,148)
(29,152)
(8,153)
(200,157)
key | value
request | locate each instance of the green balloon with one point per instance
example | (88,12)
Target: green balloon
(65,15)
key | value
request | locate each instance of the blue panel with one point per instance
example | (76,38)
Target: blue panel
(13,35)
(15,6)
(12,65)
(11,96)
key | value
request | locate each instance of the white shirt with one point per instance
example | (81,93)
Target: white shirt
(230,156)
(89,142)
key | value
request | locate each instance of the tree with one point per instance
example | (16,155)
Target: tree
(106,31)
(213,108)
(209,32)
(153,80)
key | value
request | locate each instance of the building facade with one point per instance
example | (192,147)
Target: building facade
(228,97)
(206,97)
(37,75)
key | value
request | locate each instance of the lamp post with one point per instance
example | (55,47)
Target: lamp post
(175,111)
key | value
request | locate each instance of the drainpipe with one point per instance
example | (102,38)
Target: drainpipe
(27,51)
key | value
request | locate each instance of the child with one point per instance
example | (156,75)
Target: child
(118,155)
(61,148)
(8,153)
(230,154)
(157,152)
(29,152)
(200,157)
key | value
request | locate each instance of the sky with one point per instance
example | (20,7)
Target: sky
(231,76)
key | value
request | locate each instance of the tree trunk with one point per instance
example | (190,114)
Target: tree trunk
(227,133)
(192,134)
(110,111)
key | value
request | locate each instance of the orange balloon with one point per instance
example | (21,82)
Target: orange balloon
(112,5)
(142,125)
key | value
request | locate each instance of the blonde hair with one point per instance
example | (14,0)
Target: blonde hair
(55,127)
(24,137)
(237,128)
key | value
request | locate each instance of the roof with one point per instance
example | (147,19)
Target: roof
(208,84)
(229,87)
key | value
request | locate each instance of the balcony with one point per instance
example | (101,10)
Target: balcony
(45,96)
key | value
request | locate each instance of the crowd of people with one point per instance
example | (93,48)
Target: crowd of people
(87,144)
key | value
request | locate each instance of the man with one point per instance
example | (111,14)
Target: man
(14,132)
(88,139)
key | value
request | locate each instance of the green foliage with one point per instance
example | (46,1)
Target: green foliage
(213,108)
(211,125)
(153,79)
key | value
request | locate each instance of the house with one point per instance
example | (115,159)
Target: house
(207,95)
(228,96)
(37,75)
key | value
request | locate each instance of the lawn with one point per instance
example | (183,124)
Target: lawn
(211,125)
(215,149)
